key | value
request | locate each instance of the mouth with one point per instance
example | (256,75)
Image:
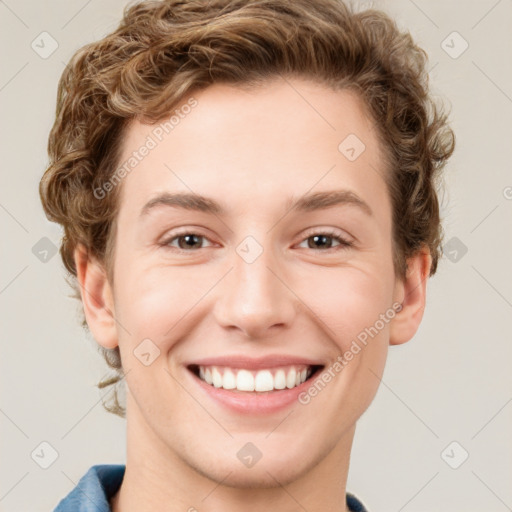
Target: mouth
(260,381)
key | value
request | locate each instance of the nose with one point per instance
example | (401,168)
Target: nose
(255,298)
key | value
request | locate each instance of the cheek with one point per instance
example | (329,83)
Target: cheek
(348,301)
(152,302)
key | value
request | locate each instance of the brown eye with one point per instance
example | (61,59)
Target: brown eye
(324,241)
(186,241)
(189,241)
(320,241)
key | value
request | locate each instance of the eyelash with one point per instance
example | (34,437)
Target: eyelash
(343,243)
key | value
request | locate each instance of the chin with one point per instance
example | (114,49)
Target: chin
(268,472)
(262,476)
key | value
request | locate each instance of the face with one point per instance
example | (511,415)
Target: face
(279,268)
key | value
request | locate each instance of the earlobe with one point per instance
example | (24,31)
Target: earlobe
(411,293)
(97,298)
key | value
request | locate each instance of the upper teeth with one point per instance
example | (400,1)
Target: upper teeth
(262,380)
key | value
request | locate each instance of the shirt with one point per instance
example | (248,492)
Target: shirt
(101,482)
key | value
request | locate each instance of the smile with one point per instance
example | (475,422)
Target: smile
(264,380)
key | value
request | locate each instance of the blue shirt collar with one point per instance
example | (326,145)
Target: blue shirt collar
(101,482)
(94,490)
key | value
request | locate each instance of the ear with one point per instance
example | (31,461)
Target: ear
(411,293)
(97,298)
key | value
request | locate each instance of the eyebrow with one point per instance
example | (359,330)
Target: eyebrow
(307,203)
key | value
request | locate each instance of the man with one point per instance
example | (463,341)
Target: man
(248,195)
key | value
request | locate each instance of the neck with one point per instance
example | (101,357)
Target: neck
(157,478)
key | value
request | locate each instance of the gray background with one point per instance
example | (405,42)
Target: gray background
(451,383)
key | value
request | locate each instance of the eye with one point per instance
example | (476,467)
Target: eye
(323,240)
(186,241)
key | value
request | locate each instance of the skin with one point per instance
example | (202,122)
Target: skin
(251,151)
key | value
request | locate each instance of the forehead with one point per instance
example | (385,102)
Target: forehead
(271,144)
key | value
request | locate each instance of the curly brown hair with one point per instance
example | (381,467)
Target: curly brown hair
(162,51)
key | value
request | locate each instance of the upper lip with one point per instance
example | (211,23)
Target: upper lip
(255,363)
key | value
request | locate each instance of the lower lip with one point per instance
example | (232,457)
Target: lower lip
(253,402)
